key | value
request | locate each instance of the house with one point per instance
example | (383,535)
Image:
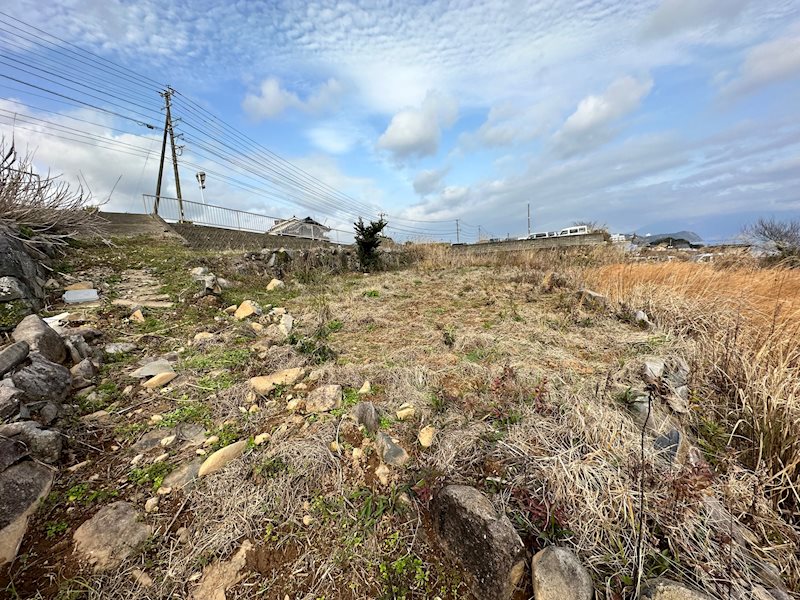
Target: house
(304,228)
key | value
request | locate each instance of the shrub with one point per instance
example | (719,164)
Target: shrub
(368,239)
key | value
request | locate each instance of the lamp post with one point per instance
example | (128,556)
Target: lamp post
(201,180)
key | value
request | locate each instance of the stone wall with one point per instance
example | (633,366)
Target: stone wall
(215,238)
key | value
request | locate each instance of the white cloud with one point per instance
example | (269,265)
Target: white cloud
(591,123)
(767,63)
(416,132)
(673,16)
(272,99)
(334,137)
(429,180)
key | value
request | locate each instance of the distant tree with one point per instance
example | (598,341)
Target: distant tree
(368,238)
(781,236)
(591,225)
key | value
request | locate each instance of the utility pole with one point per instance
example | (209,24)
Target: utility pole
(458,241)
(529,219)
(167,95)
(479,233)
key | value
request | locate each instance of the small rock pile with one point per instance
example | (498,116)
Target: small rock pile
(34,386)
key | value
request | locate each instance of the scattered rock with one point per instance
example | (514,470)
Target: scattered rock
(247,309)
(81,285)
(184,475)
(43,380)
(426,435)
(390,453)
(406,411)
(285,326)
(591,299)
(231,309)
(40,337)
(151,369)
(294,404)
(382,472)
(220,576)
(43,444)
(264,384)
(151,505)
(169,440)
(219,459)
(119,348)
(307,520)
(160,380)
(275,284)
(199,272)
(22,486)
(261,438)
(664,589)
(137,316)
(674,446)
(483,541)
(557,574)
(213,439)
(142,578)
(113,534)
(13,356)
(365,389)
(653,370)
(642,320)
(9,401)
(676,372)
(364,413)
(83,373)
(324,399)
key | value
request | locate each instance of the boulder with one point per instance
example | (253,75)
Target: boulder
(664,589)
(23,276)
(483,541)
(389,451)
(43,380)
(364,413)
(43,444)
(557,574)
(113,534)
(220,459)
(324,399)
(13,356)
(264,384)
(21,488)
(41,337)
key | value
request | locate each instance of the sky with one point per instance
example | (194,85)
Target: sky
(647,116)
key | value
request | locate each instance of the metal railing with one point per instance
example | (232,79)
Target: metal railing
(173,210)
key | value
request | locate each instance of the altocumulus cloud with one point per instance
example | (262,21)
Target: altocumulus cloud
(417,131)
(272,99)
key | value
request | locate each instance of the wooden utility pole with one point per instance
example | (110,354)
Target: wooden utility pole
(168,130)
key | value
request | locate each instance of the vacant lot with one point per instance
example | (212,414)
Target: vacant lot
(528,387)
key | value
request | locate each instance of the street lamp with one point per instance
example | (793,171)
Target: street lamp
(201,180)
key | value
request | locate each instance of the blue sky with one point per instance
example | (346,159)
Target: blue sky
(648,116)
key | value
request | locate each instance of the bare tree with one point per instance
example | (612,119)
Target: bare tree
(591,226)
(783,236)
(42,207)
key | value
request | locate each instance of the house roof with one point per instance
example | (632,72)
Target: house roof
(285,224)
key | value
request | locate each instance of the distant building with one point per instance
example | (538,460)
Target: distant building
(304,228)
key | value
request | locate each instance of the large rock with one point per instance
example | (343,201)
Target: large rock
(264,384)
(324,399)
(21,488)
(23,277)
(483,541)
(43,380)
(41,337)
(13,356)
(557,574)
(110,536)
(43,444)
(664,589)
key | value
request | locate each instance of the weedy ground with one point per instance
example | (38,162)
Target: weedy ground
(521,383)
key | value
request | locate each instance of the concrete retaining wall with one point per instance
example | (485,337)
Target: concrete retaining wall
(591,239)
